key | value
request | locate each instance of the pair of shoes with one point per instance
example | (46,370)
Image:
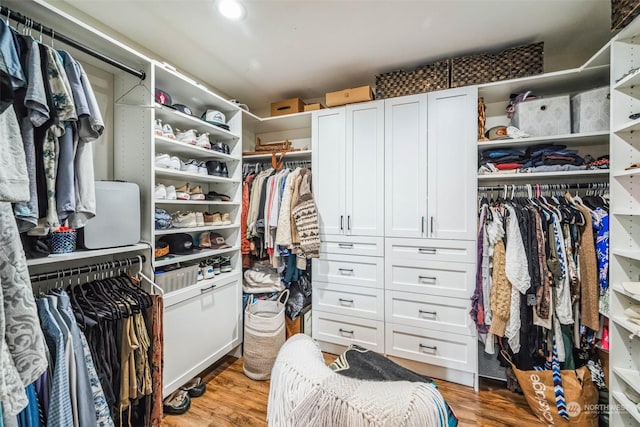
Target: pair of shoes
(190,137)
(206,270)
(194,166)
(177,403)
(217,218)
(217,168)
(196,387)
(221,147)
(167,161)
(217,197)
(186,192)
(225,264)
(185,219)
(163,192)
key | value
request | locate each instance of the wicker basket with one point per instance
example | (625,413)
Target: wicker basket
(512,63)
(63,242)
(623,12)
(426,78)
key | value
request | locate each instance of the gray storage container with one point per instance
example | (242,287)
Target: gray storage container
(179,278)
(544,116)
(590,110)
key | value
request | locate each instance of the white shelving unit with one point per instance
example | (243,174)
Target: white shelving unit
(544,175)
(624,260)
(81,255)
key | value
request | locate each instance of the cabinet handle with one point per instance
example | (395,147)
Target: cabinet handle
(348,301)
(431,313)
(431,279)
(349,222)
(431,225)
(341,222)
(205,290)
(422,225)
(345,245)
(429,347)
(430,251)
(344,331)
(345,270)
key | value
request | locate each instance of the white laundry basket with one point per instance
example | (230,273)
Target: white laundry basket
(264,334)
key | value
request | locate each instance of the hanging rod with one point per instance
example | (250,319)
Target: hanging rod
(16,16)
(587,186)
(103,266)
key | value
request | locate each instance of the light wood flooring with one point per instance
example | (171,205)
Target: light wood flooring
(234,400)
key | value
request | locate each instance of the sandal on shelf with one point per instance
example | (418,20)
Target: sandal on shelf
(176,403)
(633,166)
(196,387)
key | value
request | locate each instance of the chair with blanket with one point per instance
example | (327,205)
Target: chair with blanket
(306,392)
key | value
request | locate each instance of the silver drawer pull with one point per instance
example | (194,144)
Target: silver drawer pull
(423,278)
(345,245)
(430,251)
(431,348)
(344,331)
(430,313)
(347,301)
(345,270)
(204,290)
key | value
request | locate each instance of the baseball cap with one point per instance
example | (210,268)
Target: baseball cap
(163,97)
(180,243)
(214,117)
(203,240)
(183,109)
(497,133)
(217,241)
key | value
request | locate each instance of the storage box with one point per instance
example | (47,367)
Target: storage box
(590,110)
(349,96)
(179,278)
(426,78)
(544,116)
(623,12)
(287,106)
(313,107)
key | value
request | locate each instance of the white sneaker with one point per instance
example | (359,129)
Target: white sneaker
(202,169)
(183,193)
(175,163)
(171,193)
(184,220)
(157,127)
(203,141)
(191,167)
(167,131)
(516,133)
(163,160)
(199,219)
(208,271)
(160,192)
(188,136)
(200,273)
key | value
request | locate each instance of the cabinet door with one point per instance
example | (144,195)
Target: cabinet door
(365,169)
(328,141)
(406,166)
(452,163)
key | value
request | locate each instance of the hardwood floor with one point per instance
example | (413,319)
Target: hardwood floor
(234,400)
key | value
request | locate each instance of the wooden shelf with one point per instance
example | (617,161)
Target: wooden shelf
(197,254)
(543,175)
(293,155)
(178,148)
(86,254)
(195,229)
(628,405)
(194,202)
(191,177)
(575,139)
(184,122)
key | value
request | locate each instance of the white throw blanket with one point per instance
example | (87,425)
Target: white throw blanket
(306,392)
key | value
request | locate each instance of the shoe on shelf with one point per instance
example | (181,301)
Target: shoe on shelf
(171,193)
(184,220)
(227,150)
(183,193)
(212,218)
(202,169)
(200,273)
(196,193)
(217,197)
(215,262)
(220,147)
(188,136)
(157,127)
(175,163)
(176,403)
(199,219)
(163,160)
(196,387)
(225,264)
(167,131)
(191,166)
(160,192)
(207,270)
(226,219)
(224,171)
(212,166)
(203,141)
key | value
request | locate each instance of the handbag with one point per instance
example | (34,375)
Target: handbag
(559,397)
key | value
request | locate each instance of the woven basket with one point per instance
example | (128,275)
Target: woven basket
(512,63)
(623,12)
(426,78)
(63,242)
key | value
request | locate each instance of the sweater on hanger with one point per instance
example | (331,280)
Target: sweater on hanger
(500,292)
(283,233)
(306,219)
(588,274)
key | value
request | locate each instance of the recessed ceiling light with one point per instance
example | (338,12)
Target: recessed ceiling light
(232,9)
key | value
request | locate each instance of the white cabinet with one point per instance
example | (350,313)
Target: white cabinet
(348,164)
(430,183)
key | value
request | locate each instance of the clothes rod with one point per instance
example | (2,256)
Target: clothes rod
(30,23)
(103,266)
(544,187)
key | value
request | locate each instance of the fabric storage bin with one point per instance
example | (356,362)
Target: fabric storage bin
(179,278)
(544,116)
(590,110)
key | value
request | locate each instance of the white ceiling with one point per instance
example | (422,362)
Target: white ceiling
(304,48)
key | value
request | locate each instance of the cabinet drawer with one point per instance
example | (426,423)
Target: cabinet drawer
(352,245)
(349,270)
(436,278)
(427,311)
(431,250)
(347,330)
(349,300)
(430,346)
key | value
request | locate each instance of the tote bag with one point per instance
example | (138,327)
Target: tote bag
(580,395)
(264,334)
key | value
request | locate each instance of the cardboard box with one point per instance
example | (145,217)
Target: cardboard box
(349,96)
(313,107)
(287,106)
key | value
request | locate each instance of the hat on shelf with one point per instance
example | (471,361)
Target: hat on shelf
(214,117)
(163,97)
(203,240)
(217,241)
(180,243)
(183,109)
